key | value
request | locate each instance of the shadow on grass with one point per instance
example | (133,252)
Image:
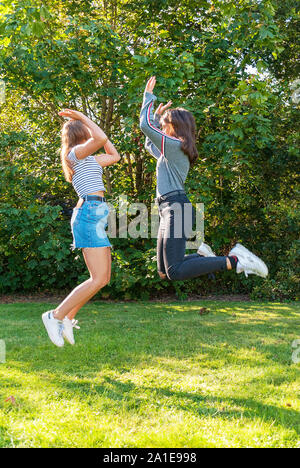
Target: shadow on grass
(133,398)
(5,440)
(202,405)
(155,337)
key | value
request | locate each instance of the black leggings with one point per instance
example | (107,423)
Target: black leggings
(171,243)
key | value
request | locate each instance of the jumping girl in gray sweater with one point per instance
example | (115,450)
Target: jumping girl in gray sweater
(171,139)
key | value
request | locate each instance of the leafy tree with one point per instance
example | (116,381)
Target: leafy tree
(232,63)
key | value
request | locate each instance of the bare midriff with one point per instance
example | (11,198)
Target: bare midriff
(100,193)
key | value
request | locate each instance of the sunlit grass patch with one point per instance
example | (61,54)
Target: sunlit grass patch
(152,375)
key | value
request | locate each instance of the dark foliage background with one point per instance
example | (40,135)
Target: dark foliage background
(233,64)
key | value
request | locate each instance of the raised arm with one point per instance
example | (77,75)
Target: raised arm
(98,137)
(149,122)
(149,146)
(152,149)
(110,157)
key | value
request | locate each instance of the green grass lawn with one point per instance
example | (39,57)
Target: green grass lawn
(153,375)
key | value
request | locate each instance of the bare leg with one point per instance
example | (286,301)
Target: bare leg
(98,261)
(73,312)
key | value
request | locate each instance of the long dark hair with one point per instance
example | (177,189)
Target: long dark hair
(184,125)
(73,133)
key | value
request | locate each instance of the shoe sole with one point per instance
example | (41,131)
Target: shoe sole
(67,339)
(206,252)
(258,260)
(49,333)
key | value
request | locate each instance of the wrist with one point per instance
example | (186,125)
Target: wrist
(149,95)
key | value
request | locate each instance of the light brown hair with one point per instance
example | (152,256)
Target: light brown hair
(73,133)
(184,126)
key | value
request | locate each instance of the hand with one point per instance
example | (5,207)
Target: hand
(162,108)
(150,85)
(72,114)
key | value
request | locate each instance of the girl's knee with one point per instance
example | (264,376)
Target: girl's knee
(173,274)
(162,276)
(99,283)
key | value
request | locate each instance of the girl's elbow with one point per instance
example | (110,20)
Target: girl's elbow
(99,138)
(143,124)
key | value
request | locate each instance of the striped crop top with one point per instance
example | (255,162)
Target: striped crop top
(87,177)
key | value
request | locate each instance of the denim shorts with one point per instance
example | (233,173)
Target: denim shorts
(88,225)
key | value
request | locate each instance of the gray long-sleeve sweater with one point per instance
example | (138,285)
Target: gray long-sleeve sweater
(172,163)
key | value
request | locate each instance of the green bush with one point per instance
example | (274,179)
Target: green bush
(285,285)
(233,64)
(36,255)
(34,249)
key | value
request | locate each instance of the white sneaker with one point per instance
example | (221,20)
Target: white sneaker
(248,263)
(205,250)
(68,329)
(54,328)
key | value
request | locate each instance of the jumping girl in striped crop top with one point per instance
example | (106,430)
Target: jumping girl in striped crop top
(80,139)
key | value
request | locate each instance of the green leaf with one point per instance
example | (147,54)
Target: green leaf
(238,132)
(37,28)
(44,13)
